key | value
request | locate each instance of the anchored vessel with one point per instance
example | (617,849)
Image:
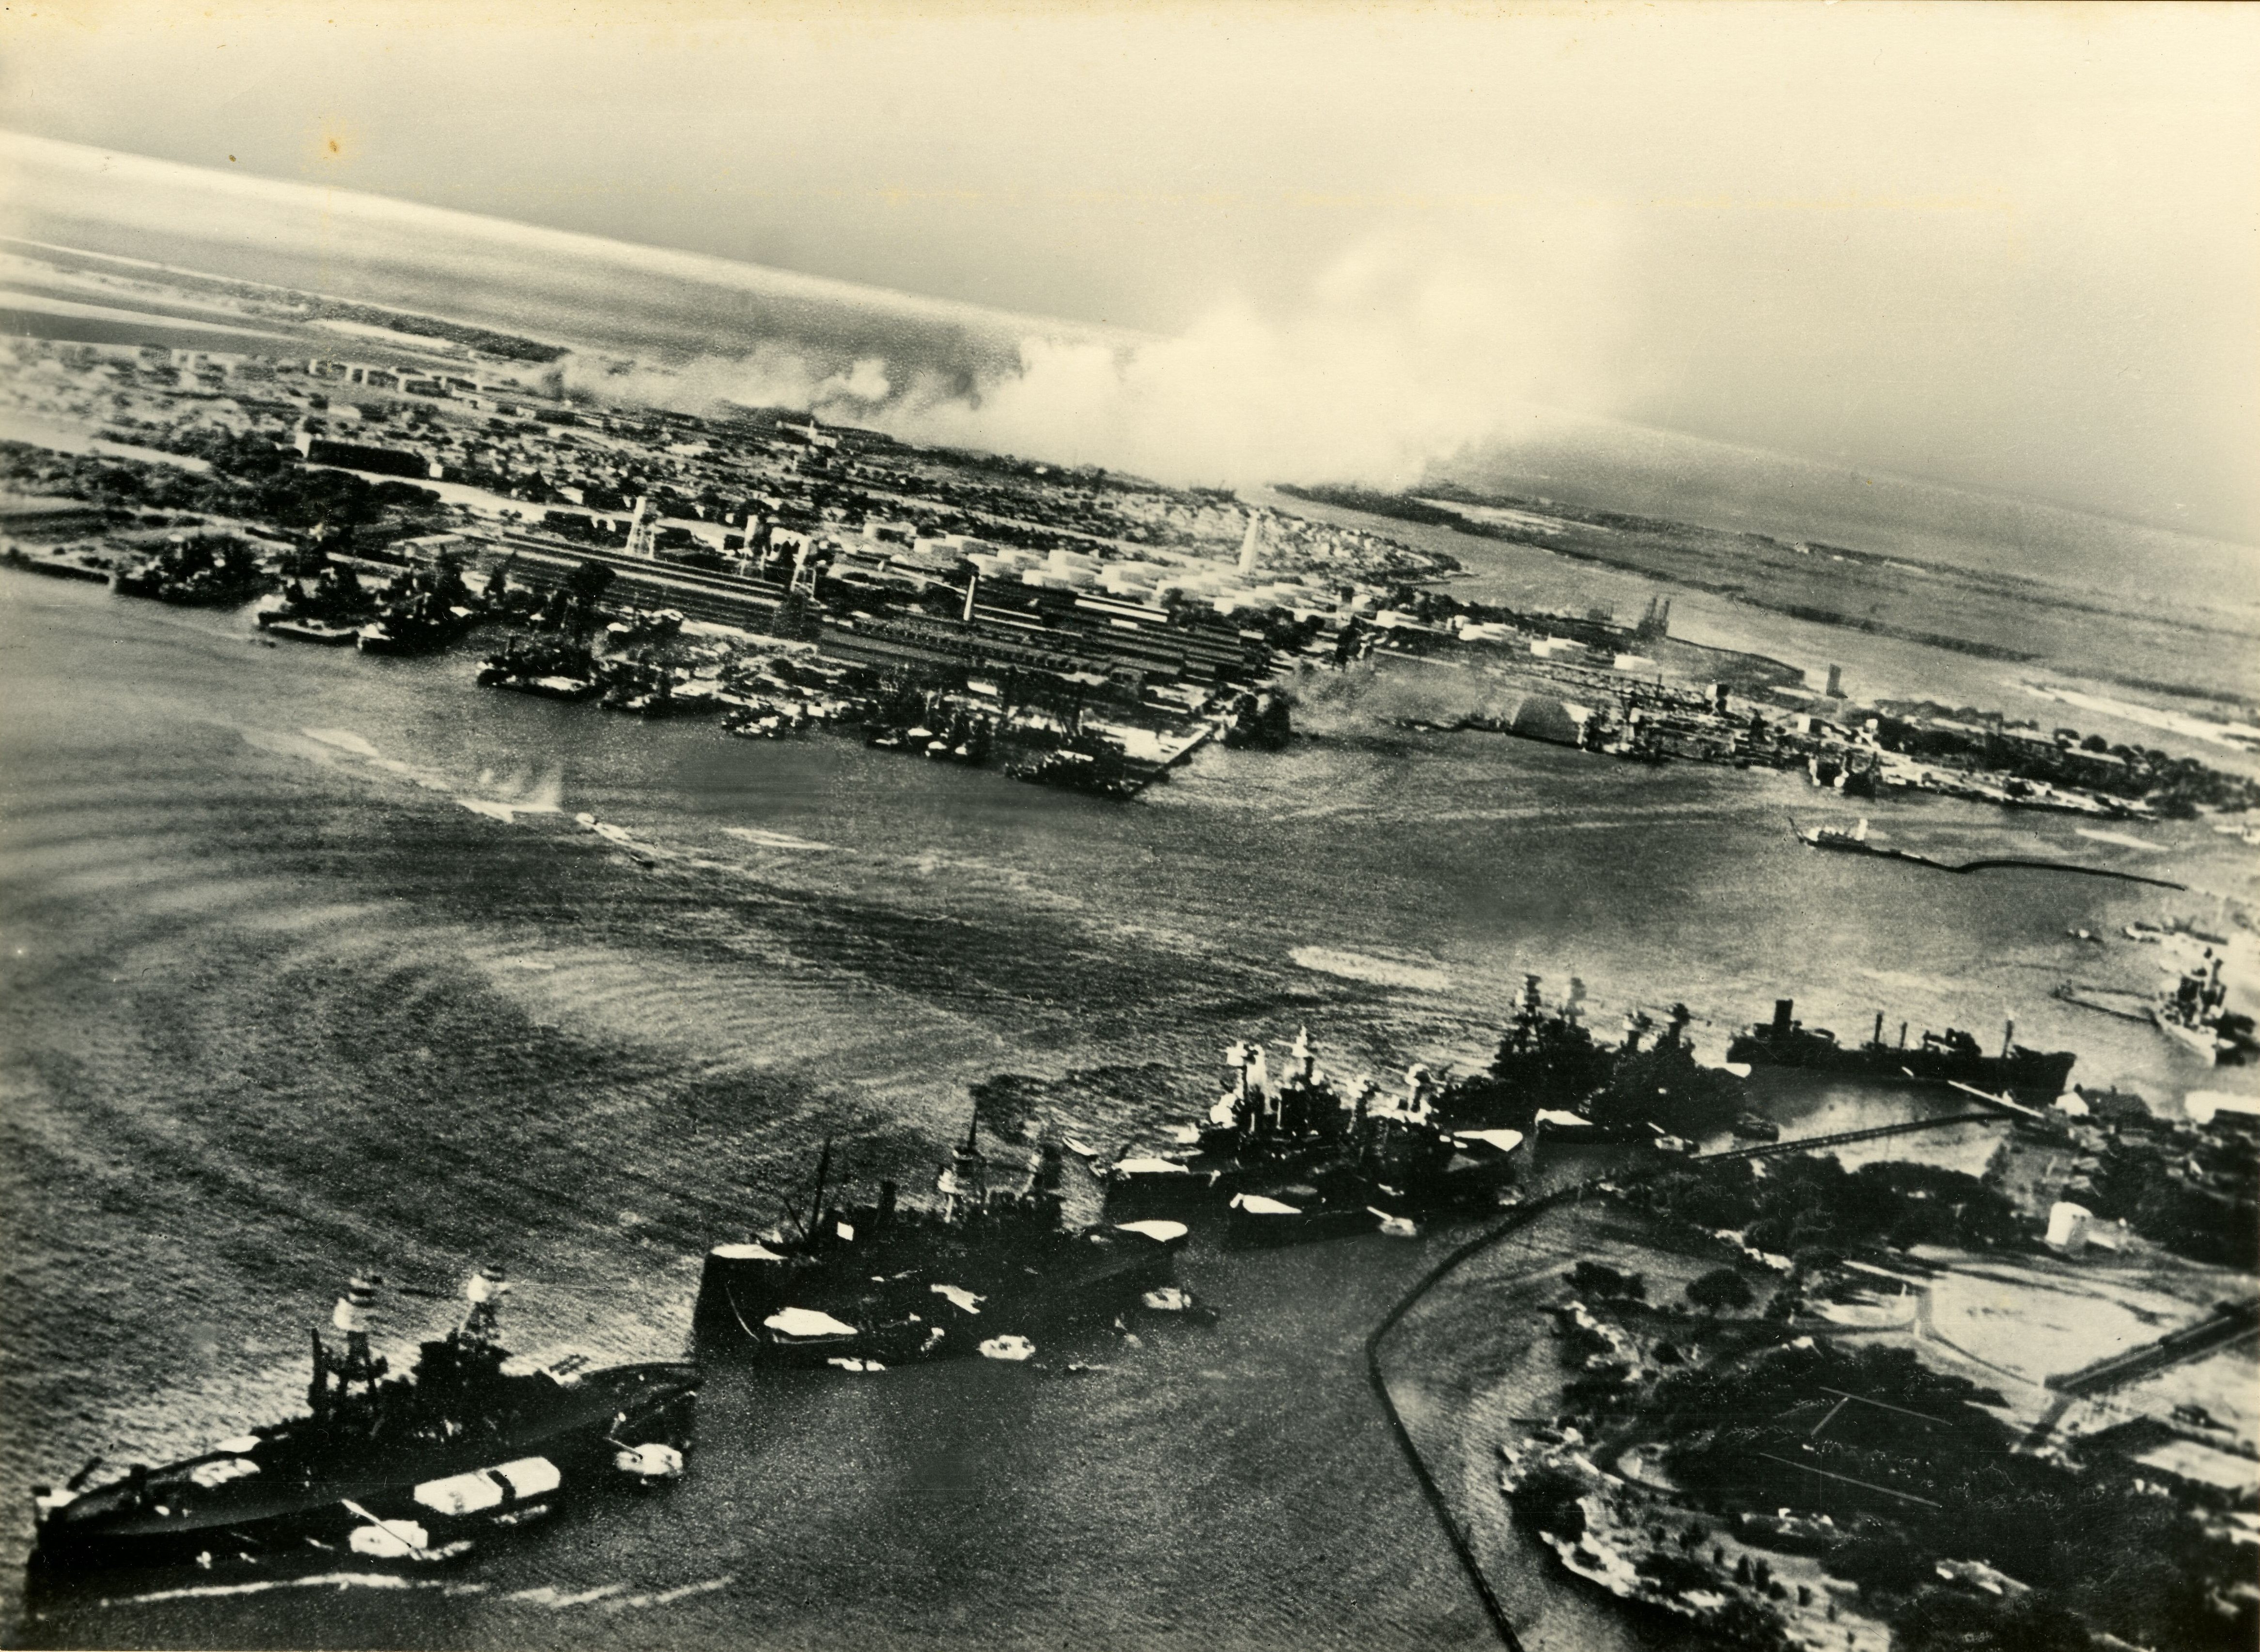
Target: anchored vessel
(2196,1013)
(397,1467)
(1952,1057)
(206,571)
(1854,842)
(1297,1158)
(891,1282)
(1261,1126)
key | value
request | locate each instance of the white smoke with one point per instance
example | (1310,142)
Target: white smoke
(1399,353)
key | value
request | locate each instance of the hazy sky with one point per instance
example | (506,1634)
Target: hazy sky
(2010,246)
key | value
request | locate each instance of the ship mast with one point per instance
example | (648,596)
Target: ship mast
(816,1207)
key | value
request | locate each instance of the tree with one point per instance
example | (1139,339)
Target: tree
(1546,1501)
(1720,1289)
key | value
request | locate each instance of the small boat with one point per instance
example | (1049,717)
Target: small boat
(322,633)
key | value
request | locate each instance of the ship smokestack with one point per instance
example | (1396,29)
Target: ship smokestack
(1878,1040)
(2008,1038)
(1783,1007)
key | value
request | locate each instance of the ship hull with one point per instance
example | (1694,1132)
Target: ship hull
(304,1479)
(887,1297)
(2031,1075)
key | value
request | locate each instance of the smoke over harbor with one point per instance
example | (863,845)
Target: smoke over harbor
(1405,348)
(1401,352)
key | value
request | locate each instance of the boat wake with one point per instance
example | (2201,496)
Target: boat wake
(344,739)
(2119,838)
(1381,971)
(777,840)
(613,1596)
(338,1580)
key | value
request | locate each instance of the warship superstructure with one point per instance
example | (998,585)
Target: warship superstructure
(401,1467)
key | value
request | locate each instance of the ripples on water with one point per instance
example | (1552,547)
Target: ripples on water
(309,966)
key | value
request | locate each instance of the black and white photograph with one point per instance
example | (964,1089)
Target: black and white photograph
(1224,826)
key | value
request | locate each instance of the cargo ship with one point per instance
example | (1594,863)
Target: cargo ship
(2033,1076)
(404,1468)
(887,1282)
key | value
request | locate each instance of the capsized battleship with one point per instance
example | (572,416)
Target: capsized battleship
(395,1467)
(1953,1057)
(889,1282)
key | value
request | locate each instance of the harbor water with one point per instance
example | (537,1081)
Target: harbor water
(311,966)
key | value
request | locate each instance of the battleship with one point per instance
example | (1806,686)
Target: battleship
(1259,1127)
(1398,1169)
(1551,1070)
(1852,842)
(550,667)
(1953,1057)
(1856,841)
(395,1467)
(872,1284)
(206,571)
(1298,1159)
(422,610)
(329,615)
(2196,1015)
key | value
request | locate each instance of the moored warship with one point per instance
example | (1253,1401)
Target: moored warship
(1297,1158)
(1952,1057)
(389,1467)
(208,570)
(2196,1013)
(1550,1072)
(1259,1127)
(889,1282)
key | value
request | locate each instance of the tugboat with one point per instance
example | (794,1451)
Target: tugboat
(867,1284)
(393,1467)
(2034,1076)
